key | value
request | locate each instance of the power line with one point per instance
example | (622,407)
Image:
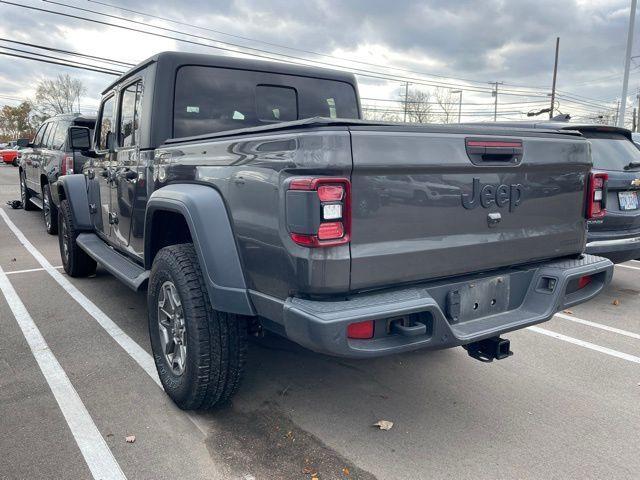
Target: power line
(42,55)
(68,52)
(362,72)
(58,63)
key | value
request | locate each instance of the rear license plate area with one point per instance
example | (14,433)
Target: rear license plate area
(478,299)
(628,200)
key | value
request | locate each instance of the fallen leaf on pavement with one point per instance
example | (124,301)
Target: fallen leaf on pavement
(568,312)
(383,424)
(616,302)
(345,471)
(130,438)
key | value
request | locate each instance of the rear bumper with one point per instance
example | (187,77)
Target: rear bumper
(322,325)
(617,250)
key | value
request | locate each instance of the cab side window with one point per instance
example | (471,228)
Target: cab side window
(130,101)
(45,133)
(106,126)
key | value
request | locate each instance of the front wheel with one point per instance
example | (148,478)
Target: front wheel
(49,211)
(75,261)
(199,352)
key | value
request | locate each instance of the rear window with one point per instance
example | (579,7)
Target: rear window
(210,99)
(611,151)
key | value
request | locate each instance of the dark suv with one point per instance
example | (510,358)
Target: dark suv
(44,160)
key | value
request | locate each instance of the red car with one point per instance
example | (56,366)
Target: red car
(10,155)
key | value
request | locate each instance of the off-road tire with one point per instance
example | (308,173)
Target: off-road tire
(76,262)
(25,194)
(15,162)
(52,227)
(216,341)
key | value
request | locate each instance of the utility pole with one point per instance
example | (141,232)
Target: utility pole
(555,76)
(627,61)
(494,93)
(633,120)
(615,119)
(406,100)
(636,120)
(459,104)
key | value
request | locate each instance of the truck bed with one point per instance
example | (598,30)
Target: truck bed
(417,211)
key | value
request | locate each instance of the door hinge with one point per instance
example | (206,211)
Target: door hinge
(113,218)
(92,208)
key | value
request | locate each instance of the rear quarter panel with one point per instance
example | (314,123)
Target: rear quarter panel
(250,171)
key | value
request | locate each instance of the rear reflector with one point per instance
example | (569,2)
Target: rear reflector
(584,281)
(67,165)
(360,330)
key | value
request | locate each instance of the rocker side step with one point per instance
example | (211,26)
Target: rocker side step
(37,202)
(125,270)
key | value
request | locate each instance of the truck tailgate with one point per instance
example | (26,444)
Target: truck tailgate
(423,207)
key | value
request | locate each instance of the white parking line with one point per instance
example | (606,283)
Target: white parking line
(589,345)
(129,345)
(14,272)
(93,447)
(619,331)
(627,266)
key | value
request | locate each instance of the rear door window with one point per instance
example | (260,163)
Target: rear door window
(130,102)
(211,99)
(60,135)
(611,151)
(45,136)
(37,140)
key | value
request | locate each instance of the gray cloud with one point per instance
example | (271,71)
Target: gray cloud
(503,40)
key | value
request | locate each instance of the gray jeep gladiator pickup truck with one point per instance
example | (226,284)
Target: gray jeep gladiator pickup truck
(247,195)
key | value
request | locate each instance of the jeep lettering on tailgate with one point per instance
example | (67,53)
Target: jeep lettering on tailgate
(489,195)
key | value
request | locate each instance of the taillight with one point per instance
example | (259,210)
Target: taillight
(67,165)
(318,211)
(597,196)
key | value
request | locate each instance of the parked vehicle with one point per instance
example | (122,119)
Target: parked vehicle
(214,183)
(614,233)
(11,153)
(47,158)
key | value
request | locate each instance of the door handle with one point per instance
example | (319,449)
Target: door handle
(91,173)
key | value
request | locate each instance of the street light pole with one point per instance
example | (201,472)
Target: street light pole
(627,61)
(459,104)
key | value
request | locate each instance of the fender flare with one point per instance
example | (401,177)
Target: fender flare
(206,215)
(73,188)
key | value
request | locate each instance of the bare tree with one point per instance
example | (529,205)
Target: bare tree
(447,104)
(418,105)
(59,95)
(380,114)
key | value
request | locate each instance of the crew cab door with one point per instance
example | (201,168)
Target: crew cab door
(34,157)
(125,174)
(99,170)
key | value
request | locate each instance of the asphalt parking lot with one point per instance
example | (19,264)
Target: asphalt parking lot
(77,378)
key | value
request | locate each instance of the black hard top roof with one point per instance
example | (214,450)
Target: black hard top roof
(178,59)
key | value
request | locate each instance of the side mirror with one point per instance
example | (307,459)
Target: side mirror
(79,138)
(22,142)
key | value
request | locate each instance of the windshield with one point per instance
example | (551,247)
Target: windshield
(612,151)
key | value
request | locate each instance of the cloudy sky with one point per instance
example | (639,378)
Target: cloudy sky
(460,44)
